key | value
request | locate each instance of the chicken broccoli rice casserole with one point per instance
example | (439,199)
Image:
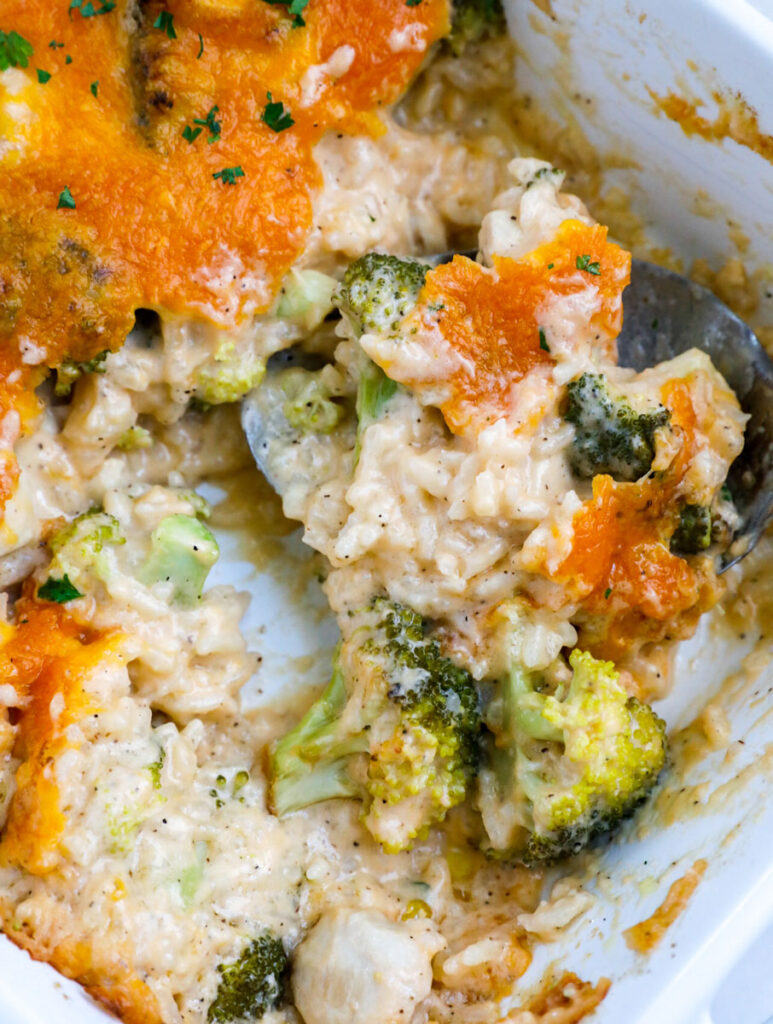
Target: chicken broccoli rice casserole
(218,216)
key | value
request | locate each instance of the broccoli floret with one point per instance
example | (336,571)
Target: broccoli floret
(229,376)
(82,549)
(472,21)
(610,437)
(693,533)
(309,406)
(568,766)
(182,551)
(379,290)
(253,984)
(397,728)
(374,391)
(69,371)
(306,298)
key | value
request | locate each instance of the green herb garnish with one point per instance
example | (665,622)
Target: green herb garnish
(165,22)
(59,591)
(88,10)
(276,116)
(191,134)
(15,51)
(66,201)
(43,76)
(228,175)
(294,7)
(543,344)
(584,263)
(211,123)
(201,47)
(94,87)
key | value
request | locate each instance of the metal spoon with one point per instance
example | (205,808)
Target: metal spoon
(664,314)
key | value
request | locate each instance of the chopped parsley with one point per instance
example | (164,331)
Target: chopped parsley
(276,116)
(294,7)
(59,591)
(607,592)
(66,201)
(54,45)
(584,263)
(228,175)
(550,266)
(543,344)
(68,59)
(94,87)
(201,46)
(165,22)
(412,3)
(43,76)
(211,123)
(15,51)
(88,10)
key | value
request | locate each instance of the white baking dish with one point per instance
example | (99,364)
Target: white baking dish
(611,56)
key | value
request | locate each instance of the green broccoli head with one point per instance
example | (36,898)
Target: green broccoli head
(182,551)
(694,530)
(228,376)
(378,291)
(82,551)
(472,21)
(397,728)
(610,437)
(309,406)
(253,984)
(568,766)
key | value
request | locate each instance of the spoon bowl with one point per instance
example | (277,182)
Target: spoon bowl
(664,315)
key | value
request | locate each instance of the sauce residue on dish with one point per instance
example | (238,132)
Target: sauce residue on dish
(735,119)
(646,935)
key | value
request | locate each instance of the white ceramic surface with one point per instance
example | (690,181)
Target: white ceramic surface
(611,56)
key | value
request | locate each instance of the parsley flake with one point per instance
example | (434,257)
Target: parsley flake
(607,592)
(94,87)
(276,116)
(294,7)
(228,175)
(15,51)
(191,134)
(550,266)
(211,123)
(59,591)
(584,263)
(66,201)
(412,3)
(68,59)
(201,47)
(43,76)
(88,10)
(543,344)
(54,45)
(165,21)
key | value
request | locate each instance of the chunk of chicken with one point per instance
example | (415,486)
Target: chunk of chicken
(358,967)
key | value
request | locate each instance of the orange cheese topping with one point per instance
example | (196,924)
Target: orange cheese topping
(620,559)
(46,658)
(643,937)
(491,319)
(151,226)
